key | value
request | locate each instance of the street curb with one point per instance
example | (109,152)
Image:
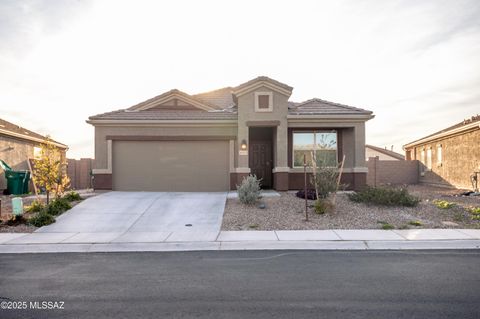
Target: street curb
(240,245)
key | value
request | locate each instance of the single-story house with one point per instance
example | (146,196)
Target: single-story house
(18,145)
(211,141)
(450,156)
(382,153)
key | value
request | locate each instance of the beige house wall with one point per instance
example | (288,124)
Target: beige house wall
(101,133)
(15,153)
(246,112)
(460,158)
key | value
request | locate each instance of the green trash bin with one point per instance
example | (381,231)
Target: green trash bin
(17,181)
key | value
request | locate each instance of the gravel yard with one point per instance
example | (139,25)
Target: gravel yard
(287,212)
(6,212)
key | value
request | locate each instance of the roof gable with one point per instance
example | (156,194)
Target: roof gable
(173,99)
(265,82)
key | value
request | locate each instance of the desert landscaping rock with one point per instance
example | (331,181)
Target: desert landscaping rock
(287,212)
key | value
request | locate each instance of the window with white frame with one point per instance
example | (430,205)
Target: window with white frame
(429,158)
(321,145)
(263,101)
(422,156)
(439,154)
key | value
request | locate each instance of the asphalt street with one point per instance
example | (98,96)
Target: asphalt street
(242,284)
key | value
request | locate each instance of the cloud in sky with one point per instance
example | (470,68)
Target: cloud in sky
(414,63)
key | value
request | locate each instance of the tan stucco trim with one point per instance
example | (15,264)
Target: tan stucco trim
(170,123)
(262,123)
(245,170)
(107,170)
(168,138)
(30,138)
(231,149)
(259,84)
(270,102)
(443,134)
(171,97)
(281,170)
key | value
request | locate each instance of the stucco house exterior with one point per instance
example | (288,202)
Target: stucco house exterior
(382,153)
(450,156)
(18,145)
(211,141)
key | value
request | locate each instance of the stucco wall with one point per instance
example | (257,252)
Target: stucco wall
(246,112)
(15,153)
(101,132)
(460,157)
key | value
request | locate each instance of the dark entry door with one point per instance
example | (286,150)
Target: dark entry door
(261,161)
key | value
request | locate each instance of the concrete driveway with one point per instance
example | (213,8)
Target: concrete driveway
(143,217)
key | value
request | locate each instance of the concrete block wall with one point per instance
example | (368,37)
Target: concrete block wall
(381,172)
(79,172)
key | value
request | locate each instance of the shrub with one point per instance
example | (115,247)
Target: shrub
(323,206)
(443,204)
(57,206)
(475,212)
(35,207)
(326,181)
(385,225)
(415,223)
(385,197)
(249,190)
(72,196)
(41,219)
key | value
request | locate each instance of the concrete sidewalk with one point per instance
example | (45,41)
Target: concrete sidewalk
(241,240)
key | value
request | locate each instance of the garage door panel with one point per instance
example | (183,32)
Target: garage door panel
(171,165)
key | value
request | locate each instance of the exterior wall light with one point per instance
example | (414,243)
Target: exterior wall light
(243,146)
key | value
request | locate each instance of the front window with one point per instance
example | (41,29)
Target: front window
(429,158)
(322,145)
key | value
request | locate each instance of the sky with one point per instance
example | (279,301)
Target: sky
(415,64)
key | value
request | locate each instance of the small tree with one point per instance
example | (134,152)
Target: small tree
(49,170)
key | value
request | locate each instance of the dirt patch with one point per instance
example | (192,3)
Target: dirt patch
(288,212)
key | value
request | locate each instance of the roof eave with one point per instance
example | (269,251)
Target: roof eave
(457,130)
(104,122)
(363,117)
(31,138)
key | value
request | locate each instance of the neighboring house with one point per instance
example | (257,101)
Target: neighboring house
(450,156)
(18,145)
(211,141)
(382,153)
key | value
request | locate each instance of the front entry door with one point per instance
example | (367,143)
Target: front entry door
(261,161)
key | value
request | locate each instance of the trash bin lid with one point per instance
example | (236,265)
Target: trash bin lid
(5,166)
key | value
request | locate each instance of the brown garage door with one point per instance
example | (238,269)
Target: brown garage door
(170,165)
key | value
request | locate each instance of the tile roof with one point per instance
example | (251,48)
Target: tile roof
(386,152)
(174,91)
(166,115)
(8,127)
(224,101)
(473,119)
(222,98)
(317,106)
